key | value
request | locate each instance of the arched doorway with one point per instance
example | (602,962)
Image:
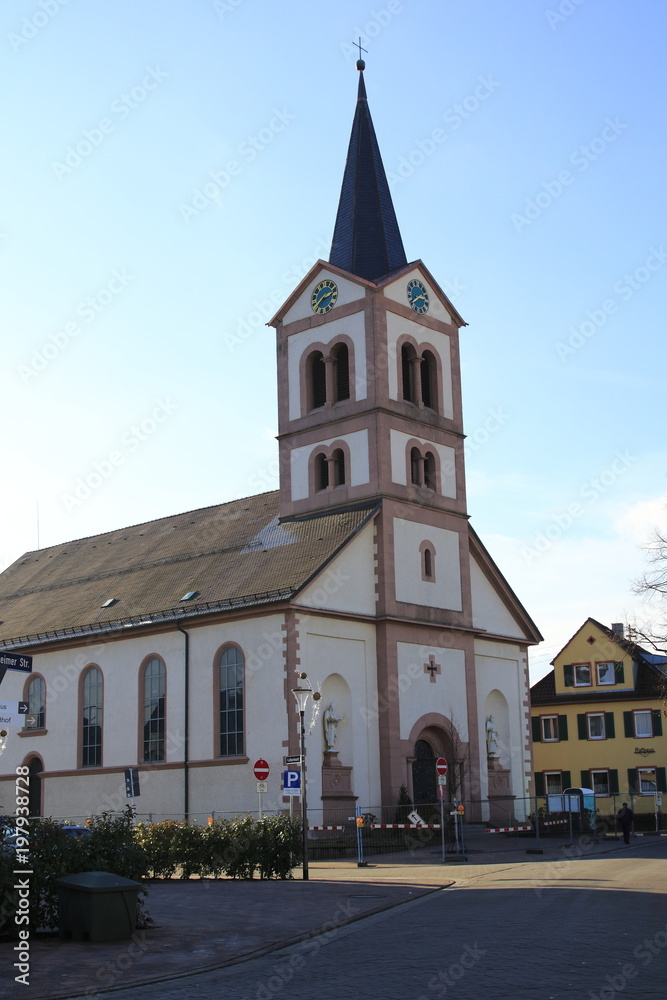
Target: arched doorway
(35,768)
(424,783)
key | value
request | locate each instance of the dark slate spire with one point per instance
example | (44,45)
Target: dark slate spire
(366,239)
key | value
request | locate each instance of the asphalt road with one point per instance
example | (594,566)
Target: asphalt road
(589,929)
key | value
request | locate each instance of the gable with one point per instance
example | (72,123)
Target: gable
(438,306)
(489,611)
(347,582)
(298,305)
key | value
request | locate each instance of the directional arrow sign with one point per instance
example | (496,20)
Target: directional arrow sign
(13,707)
(30,721)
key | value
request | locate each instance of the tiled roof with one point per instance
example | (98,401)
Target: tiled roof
(366,241)
(234,553)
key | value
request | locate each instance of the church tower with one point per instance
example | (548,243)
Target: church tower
(370,409)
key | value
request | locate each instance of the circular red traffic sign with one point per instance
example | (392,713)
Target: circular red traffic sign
(441,765)
(261,770)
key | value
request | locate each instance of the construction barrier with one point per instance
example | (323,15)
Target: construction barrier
(507,829)
(405,826)
(326,827)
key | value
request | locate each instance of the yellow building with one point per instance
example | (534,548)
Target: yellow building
(597,721)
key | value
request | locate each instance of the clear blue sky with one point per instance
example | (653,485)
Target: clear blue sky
(525,144)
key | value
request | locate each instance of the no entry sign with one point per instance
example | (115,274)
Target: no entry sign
(261,770)
(441,765)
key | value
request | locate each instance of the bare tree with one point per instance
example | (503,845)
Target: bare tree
(652,585)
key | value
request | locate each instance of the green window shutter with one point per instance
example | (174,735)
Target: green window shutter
(586,779)
(581,726)
(619,673)
(562,727)
(567,780)
(657,721)
(613,781)
(568,675)
(660,777)
(539,783)
(632,781)
(537,735)
(609,728)
(628,724)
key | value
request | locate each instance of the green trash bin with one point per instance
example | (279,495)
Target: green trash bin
(97,906)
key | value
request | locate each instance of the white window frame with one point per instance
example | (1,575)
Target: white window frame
(596,715)
(554,720)
(600,770)
(611,667)
(575,668)
(552,774)
(642,711)
(648,771)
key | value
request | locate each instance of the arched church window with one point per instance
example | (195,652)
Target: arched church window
(339,467)
(37,700)
(407,356)
(91,718)
(321,472)
(429,470)
(231,702)
(341,357)
(428,380)
(317,380)
(428,561)
(154,710)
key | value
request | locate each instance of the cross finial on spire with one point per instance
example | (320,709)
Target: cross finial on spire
(361,65)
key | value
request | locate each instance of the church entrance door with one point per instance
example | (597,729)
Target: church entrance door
(424,782)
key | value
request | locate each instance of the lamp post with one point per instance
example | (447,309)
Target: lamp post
(302,694)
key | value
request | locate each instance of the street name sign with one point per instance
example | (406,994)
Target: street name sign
(16,661)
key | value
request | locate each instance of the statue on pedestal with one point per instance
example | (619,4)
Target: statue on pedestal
(491,739)
(330,721)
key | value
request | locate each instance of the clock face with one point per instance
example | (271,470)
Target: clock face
(324,296)
(417,296)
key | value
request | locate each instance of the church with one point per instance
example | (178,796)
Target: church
(174,646)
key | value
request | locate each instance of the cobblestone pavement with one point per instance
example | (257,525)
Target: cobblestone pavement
(571,925)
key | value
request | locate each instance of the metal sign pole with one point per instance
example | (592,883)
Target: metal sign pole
(442,822)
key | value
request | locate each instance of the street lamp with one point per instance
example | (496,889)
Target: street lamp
(302,694)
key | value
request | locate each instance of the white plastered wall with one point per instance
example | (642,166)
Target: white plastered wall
(347,583)
(359,471)
(396,328)
(419,695)
(336,647)
(352,327)
(501,667)
(399,462)
(445,590)
(488,611)
(215,787)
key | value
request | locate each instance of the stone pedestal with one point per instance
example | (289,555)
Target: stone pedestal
(501,800)
(338,801)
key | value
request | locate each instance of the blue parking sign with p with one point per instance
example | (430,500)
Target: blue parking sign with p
(291,782)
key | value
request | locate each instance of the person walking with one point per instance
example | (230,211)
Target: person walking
(625,818)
